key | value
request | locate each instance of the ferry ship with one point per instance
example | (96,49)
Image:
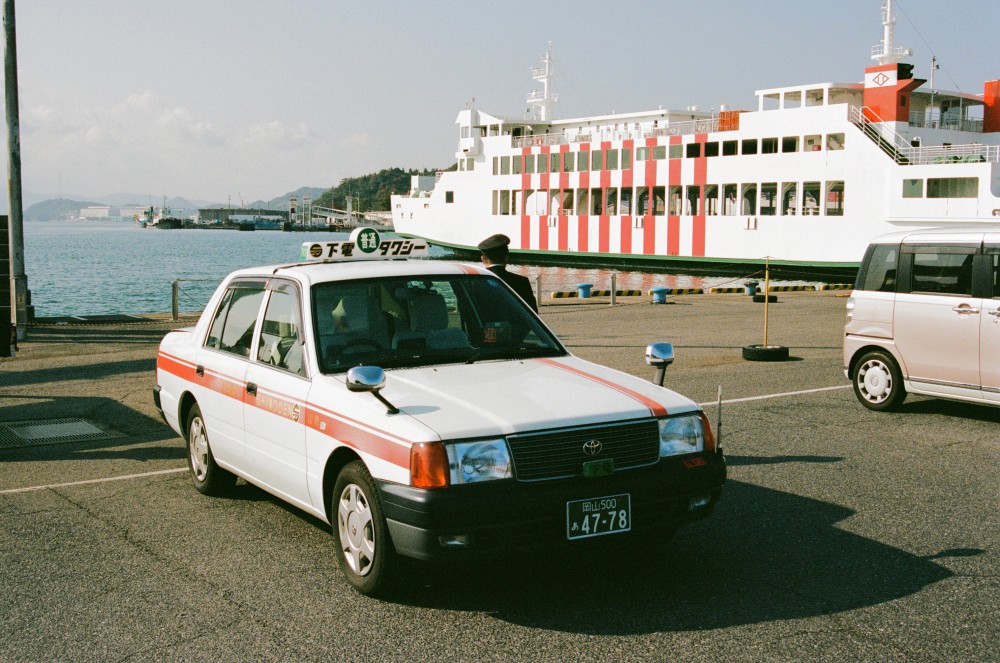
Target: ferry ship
(804,180)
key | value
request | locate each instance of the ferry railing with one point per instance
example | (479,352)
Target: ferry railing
(690,128)
(921,121)
(903,153)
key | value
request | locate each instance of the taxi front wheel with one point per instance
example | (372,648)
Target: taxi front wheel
(207,476)
(366,553)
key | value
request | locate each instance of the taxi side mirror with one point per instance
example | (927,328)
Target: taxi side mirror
(370,379)
(659,356)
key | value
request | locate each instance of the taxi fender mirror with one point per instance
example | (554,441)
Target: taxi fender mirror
(370,379)
(660,355)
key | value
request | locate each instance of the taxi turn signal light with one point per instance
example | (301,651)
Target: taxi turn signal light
(709,435)
(428,465)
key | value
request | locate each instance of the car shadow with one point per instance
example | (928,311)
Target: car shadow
(765,555)
(949,408)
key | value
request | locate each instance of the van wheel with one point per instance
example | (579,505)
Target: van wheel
(207,476)
(878,382)
(365,551)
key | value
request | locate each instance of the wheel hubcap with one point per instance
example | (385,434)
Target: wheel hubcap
(875,381)
(198,441)
(356,529)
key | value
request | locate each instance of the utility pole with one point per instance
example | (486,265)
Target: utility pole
(18,280)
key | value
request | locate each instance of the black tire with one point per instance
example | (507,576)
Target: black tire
(878,382)
(759,299)
(207,476)
(364,549)
(765,352)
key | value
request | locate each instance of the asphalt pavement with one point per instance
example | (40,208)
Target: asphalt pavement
(842,534)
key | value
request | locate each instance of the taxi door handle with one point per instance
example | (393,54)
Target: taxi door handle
(199,370)
(965,310)
(995,313)
(251,388)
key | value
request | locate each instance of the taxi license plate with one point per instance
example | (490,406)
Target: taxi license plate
(598,516)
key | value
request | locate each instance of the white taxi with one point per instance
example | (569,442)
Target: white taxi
(422,409)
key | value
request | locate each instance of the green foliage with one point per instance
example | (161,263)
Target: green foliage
(54,209)
(371,192)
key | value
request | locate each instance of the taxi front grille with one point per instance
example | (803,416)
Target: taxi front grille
(560,453)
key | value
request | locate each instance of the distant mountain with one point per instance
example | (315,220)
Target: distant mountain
(54,209)
(281,202)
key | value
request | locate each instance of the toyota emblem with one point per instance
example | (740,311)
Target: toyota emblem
(592,447)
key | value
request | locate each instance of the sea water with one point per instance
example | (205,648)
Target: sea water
(98,268)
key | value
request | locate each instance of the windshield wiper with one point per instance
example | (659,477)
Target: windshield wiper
(511,353)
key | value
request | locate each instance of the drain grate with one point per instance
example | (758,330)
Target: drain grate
(51,431)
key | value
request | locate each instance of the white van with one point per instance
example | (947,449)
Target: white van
(924,317)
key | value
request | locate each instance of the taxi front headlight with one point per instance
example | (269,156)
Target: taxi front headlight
(681,435)
(469,462)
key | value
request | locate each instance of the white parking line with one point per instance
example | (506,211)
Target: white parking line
(88,481)
(184,469)
(781,395)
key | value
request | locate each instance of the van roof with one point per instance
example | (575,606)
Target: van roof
(972,232)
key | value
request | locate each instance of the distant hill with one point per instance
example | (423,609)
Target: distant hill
(54,209)
(372,190)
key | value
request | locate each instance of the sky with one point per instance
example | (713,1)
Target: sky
(230,100)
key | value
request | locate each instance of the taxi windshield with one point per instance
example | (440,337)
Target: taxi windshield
(416,321)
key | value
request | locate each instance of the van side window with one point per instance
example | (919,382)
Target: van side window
(880,273)
(993,259)
(943,270)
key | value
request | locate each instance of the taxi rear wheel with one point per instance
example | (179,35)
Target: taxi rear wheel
(207,476)
(878,382)
(365,551)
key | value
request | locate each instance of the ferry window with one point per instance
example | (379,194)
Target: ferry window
(556,202)
(676,151)
(693,150)
(582,201)
(465,132)
(596,160)
(496,165)
(810,198)
(449,196)
(569,162)
(529,163)
(790,144)
(659,200)
(769,146)
(768,198)
(945,270)
(505,202)
(952,187)
(749,198)
(641,153)
(712,149)
(789,198)
(612,159)
(496,202)
(232,329)
(642,200)
(729,199)
(814,97)
(674,201)
(626,206)
(596,206)
(660,152)
(835,198)
(611,204)
(750,146)
(730,148)
(793,99)
(505,165)
(693,200)
(515,164)
(913,188)
(812,143)
(516,202)
(543,163)
(554,160)
(880,268)
(835,141)
(711,199)
(470,163)
(626,158)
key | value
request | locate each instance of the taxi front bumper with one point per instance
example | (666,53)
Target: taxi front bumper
(507,517)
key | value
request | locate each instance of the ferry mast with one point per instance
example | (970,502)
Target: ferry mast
(887,52)
(545,99)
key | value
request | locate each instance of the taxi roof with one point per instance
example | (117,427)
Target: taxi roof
(311,273)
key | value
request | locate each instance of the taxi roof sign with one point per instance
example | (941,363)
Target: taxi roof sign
(364,244)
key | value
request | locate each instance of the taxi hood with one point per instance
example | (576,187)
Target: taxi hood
(494,398)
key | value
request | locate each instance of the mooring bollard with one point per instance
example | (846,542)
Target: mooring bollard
(751,287)
(660,295)
(583,289)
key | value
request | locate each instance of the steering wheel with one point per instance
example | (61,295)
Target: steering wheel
(360,342)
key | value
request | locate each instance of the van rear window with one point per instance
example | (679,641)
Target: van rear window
(878,271)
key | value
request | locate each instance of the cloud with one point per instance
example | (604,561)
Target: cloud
(275,133)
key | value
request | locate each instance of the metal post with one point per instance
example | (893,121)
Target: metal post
(767,293)
(538,292)
(19,281)
(614,286)
(6,320)
(175,290)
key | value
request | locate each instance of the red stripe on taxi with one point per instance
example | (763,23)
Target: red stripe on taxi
(655,408)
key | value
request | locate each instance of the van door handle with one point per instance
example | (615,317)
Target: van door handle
(995,313)
(965,310)
(251,388)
